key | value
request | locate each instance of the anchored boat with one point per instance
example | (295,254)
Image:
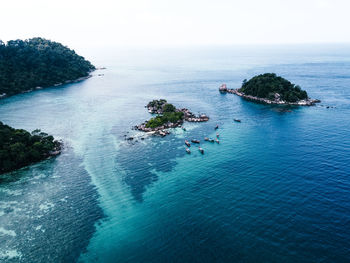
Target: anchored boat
(187,143)
(201,150)
(217,135)
(216,127)
(237,120)
(188,150)
(217,140)
(206,139)
(195,141)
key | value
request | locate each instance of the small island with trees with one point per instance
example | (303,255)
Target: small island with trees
(271,89)
(168,116)
(26,65)
(19,148)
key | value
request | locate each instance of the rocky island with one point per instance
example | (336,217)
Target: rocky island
(38,63)
(19,148)
(168,117)
(269,88)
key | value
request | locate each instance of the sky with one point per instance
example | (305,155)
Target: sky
(84,23)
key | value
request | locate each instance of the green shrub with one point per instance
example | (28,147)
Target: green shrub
(165,118)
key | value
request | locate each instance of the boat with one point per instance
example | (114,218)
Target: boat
(211,140)
(188,150)
(217,135)
(216,127)
(183,128)
(201,150)
(237,120)
(195,141)
(162,133)
(217,140)
(187,143)
(206,139)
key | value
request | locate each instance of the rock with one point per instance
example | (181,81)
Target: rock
(223,88)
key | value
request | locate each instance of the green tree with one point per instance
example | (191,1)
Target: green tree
(168,107)
(19,148)
(37,62)
(266,85)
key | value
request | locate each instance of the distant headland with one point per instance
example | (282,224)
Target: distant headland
(269,88)
(27,65)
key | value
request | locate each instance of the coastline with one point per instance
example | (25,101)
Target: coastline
(307,102)
(4,95)
(51,154)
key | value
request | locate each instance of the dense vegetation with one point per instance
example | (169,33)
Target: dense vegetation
(160,120)
(169,107)
(268,84)
(37,62)
(156,104)
(19,148)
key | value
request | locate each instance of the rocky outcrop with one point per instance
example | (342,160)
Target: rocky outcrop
(158,107)
(190,117)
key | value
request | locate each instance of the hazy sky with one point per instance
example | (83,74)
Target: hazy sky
(79,23)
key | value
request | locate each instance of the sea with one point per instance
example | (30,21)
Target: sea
(276,188)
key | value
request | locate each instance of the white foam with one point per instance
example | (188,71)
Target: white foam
(7,232)
(10,254)
(46,206)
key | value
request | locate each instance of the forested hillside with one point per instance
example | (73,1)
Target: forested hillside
(37,62)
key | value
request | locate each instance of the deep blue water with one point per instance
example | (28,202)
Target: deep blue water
(276,188)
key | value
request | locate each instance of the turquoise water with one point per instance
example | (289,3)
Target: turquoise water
(276,188)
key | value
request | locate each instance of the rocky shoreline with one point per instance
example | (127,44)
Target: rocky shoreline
(57,150)
(277,101)
(72,81)
(4,95)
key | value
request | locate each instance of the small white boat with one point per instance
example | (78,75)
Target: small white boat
(217,140)
(201,150)
(188,150)
(217,135)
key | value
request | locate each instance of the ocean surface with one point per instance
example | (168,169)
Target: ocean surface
(276,188)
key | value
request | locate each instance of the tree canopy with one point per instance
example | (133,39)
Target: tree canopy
(160,120)
(268,84)
(37,62)
(19,148)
